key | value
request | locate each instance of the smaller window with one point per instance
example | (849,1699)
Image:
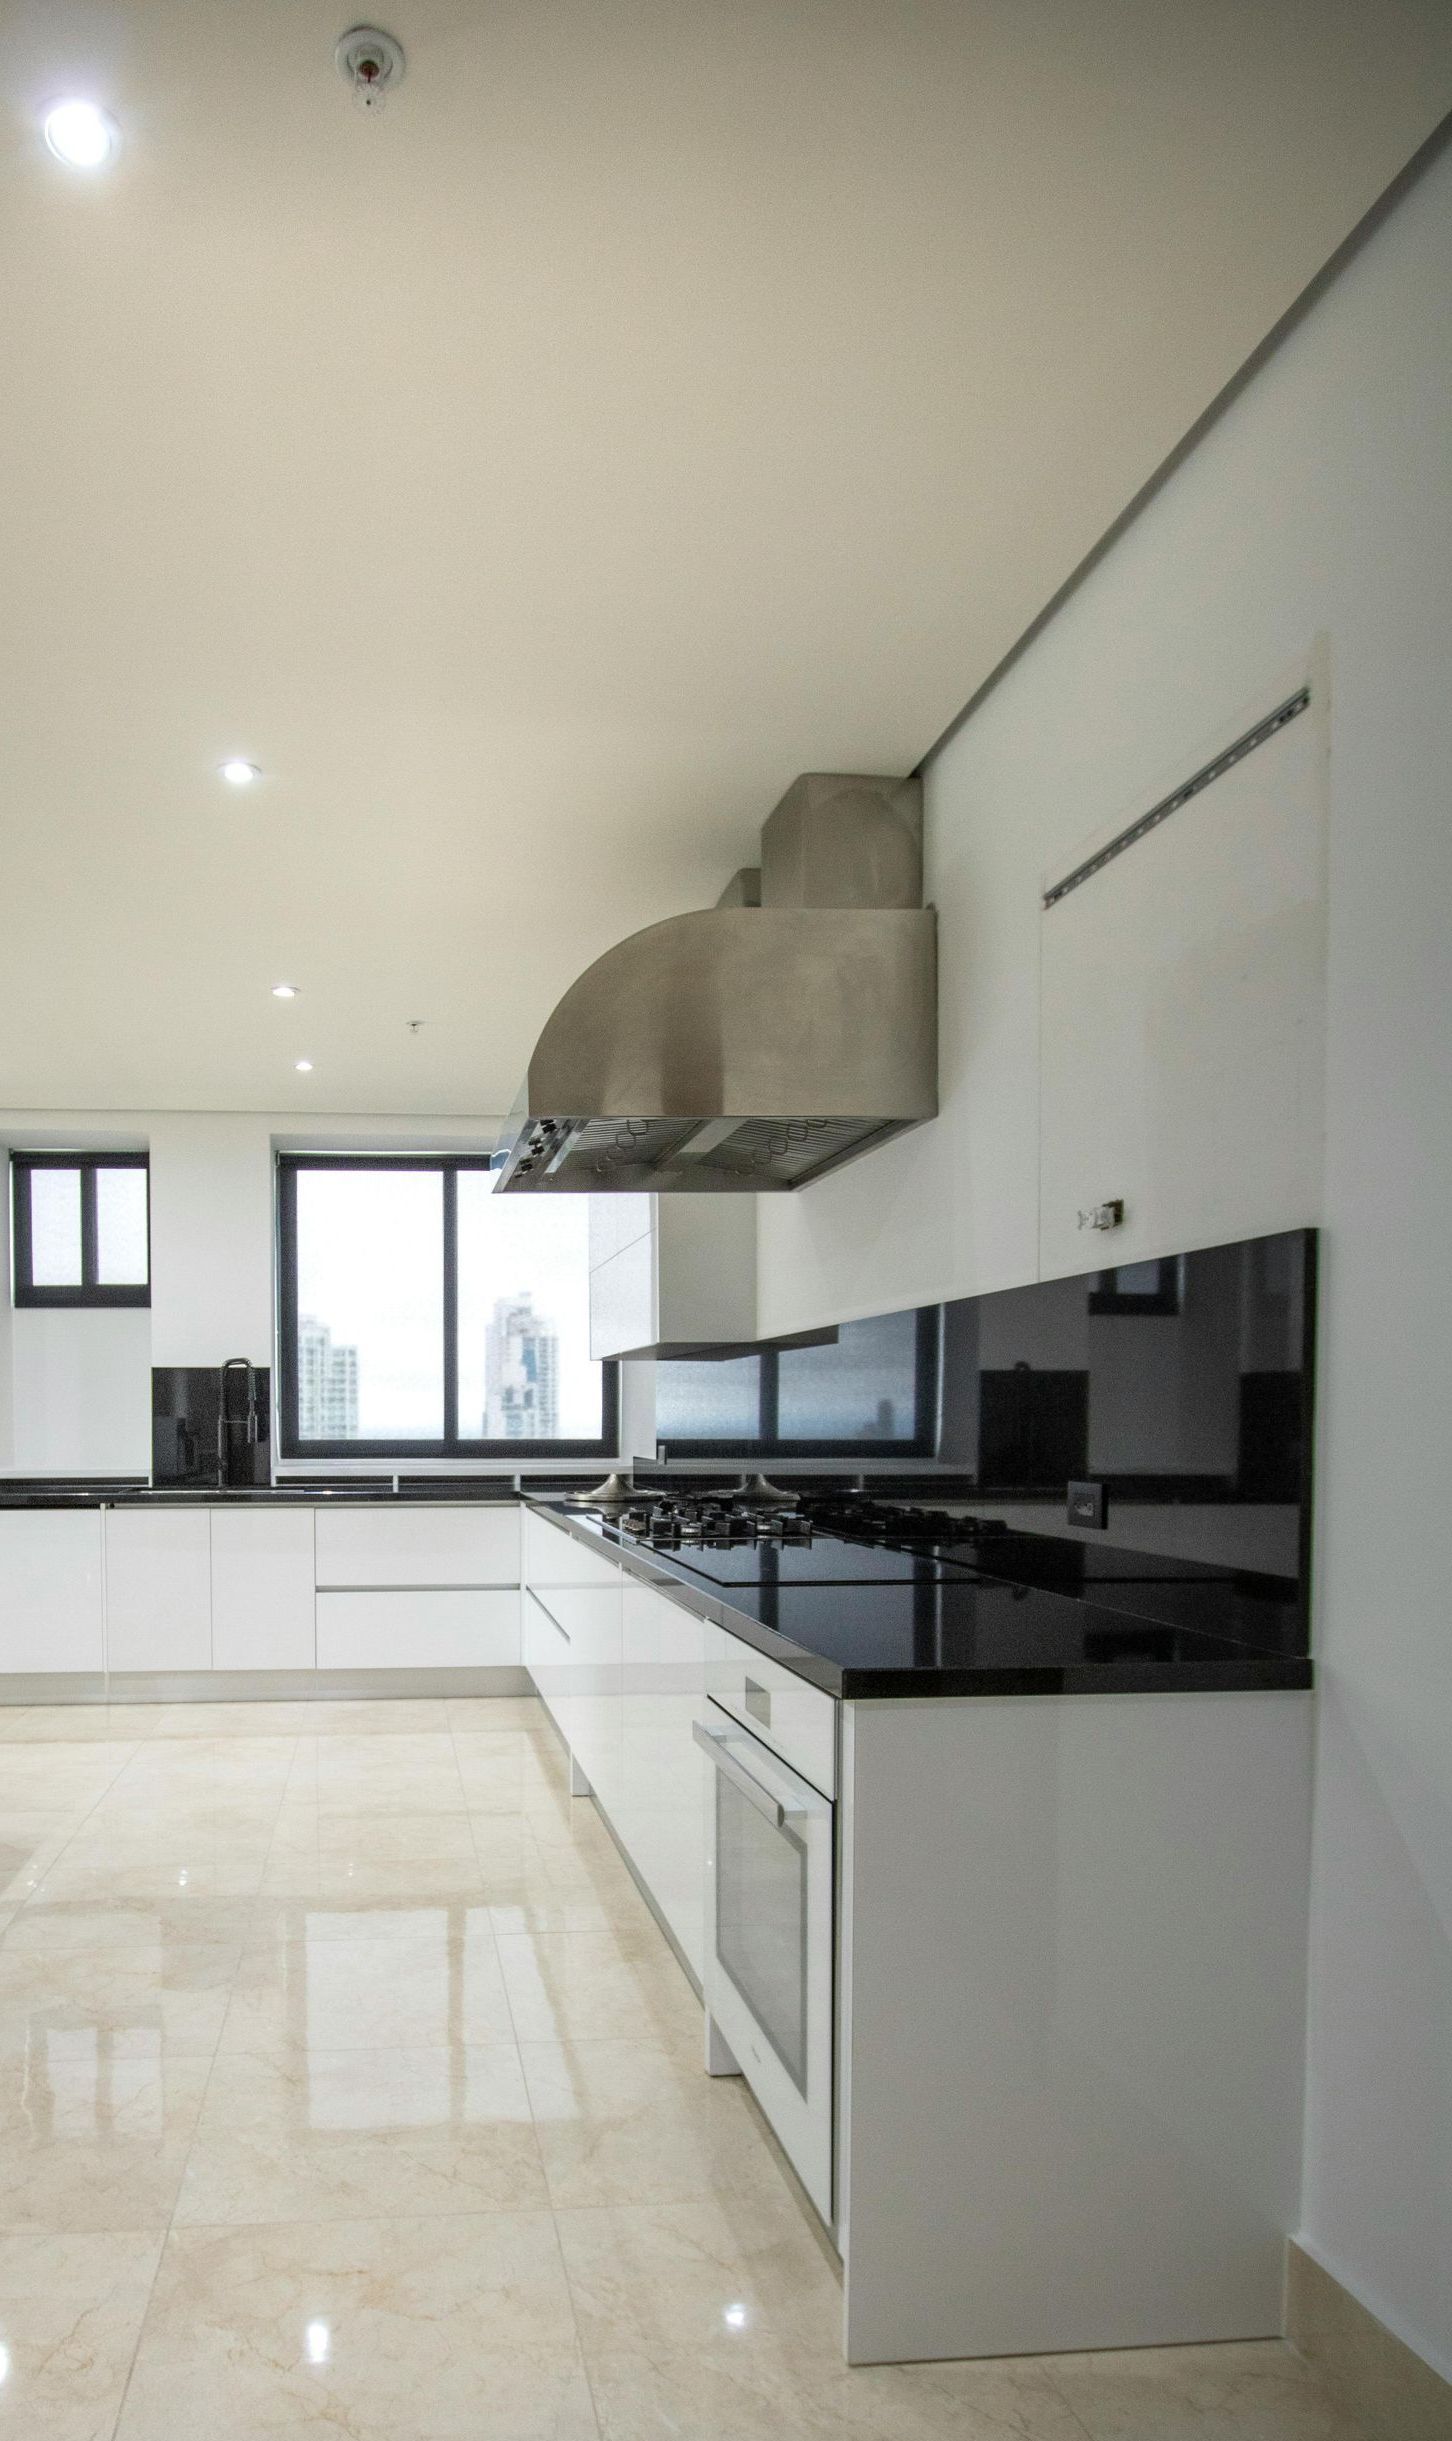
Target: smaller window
(82,1233)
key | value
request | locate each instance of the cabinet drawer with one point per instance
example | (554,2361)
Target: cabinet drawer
(418,1629)
(446,1546)
(797,1721)
(553,1557)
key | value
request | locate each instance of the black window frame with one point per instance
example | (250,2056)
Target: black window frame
(92,1292)
(768,1443)
(450,1444)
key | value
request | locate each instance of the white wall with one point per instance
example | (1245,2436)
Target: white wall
(81,1391)
(75,1388)
(1319,504)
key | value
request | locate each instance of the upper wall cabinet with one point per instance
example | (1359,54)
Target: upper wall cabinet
(1183,996)
(671,1275)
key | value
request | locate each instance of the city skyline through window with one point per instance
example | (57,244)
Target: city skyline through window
(421,1314)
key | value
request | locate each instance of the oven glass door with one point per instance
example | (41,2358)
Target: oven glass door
(769,1947)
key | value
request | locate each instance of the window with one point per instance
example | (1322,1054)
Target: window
(422,1315)
(82,1233)
(872,1389)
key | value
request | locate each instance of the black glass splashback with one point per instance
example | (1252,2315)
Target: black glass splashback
(210,1425)
(1182,1386)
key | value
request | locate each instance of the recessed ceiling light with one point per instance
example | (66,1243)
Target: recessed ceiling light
(239,773)
(284,991)
(81,134)
(304,1067)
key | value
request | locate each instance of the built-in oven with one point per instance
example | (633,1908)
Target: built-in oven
(769,1947)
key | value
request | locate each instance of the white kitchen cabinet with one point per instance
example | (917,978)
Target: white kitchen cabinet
(678,1272)
(158,1589)
(51,1607)
(418,1628)
(1182,1008)
(659,1812)
(450,1544)
(262,1589)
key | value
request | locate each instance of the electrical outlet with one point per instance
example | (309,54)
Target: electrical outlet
(1088,1505)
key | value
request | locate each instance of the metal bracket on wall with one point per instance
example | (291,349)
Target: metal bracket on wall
(1265,729)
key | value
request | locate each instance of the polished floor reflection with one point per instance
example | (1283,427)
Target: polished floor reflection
(347,2087)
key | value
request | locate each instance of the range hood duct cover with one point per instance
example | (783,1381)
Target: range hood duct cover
(749,1048)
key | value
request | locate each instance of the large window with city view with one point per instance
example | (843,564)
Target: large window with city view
(422,1315)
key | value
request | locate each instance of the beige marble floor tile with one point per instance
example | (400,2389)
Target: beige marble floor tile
(630,2123)
(131,1931)
(516,1781)
(441,1985)
(208,1871)
(11,1715)
(492,1712)
(1254,2391)
(342,1880)
(399,2330)
(93,2141)
(82,1723)
(343,1915)
(303,2134)
(766,2392)
(85,2001)
(30,1843)
(59,1776)
(724,2272)
(212,1762)
(308,1828)
(322,1716)
(70,2313)
(567,1987)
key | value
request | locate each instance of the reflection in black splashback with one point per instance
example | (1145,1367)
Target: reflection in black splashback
(210,1424)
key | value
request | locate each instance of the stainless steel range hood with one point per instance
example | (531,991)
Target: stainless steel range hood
(751,1046)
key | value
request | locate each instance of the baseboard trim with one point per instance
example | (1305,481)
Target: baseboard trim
(1391,2391)
(257,1686)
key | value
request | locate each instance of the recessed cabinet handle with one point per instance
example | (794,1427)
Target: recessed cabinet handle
(547,1614)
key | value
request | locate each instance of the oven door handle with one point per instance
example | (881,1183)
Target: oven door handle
(717,1743)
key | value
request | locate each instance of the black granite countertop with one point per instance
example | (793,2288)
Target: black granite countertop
(866,1623)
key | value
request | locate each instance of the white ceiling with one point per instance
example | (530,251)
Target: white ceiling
(659,398)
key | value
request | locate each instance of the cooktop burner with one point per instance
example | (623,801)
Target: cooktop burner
(721,1520)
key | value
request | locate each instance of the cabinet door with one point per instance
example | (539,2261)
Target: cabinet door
(50,1591)
(451,1544)
(660,1814)
(418,1628)
(262,1589)
(1182,1022)
(158,1589)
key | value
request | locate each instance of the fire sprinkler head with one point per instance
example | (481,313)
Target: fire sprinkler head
(371,62)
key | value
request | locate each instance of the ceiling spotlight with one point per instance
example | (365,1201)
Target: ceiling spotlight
(284,991)
(240,774)
(304,1067)
(81,135)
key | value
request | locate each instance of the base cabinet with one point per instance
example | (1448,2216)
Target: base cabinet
(158,1589)
(262,1589)
(51,1604)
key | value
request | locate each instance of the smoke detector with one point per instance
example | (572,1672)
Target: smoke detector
(371,62)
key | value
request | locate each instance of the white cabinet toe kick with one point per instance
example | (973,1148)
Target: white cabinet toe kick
(1032,2036)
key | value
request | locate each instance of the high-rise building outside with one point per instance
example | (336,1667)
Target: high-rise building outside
(521,1374)
(327,1385)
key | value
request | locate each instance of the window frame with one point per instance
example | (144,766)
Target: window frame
(768,1443)
(451,1444)
(91,1292)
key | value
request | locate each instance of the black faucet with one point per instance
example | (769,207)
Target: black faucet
(250,1414)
